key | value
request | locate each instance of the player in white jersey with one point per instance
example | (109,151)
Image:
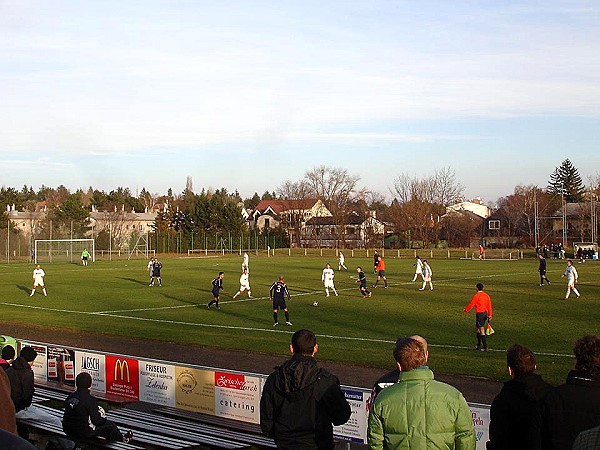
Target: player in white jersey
(427,274)
(245,263)
(38,280)
(418,269)
(327,278)
(244,284)
(572,277)
(341,260)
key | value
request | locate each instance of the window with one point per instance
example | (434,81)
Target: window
(494,224)
(267,223)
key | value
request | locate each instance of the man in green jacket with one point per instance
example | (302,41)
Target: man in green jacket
(419,412)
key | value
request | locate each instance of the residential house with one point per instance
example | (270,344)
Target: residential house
(354,232)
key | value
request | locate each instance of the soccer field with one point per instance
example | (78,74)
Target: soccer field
(114,297)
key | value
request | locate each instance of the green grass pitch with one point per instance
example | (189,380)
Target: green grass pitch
(114,297)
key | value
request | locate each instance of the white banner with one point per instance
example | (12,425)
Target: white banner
(157,383)
(95,365)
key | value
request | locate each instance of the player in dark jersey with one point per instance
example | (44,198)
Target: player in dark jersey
(217,286)
(542,270)
(362,279)
(277,295)
(156,268)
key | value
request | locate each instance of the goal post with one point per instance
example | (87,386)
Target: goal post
(62,250)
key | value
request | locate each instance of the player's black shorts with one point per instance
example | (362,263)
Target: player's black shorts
(542,272)
(480,319)
(215,293)
(381,273)
(279,303)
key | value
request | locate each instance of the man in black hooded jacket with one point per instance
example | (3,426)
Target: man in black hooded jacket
(514,407)
(301,401)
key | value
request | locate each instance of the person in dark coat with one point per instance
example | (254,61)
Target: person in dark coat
(8,421)
(513,408)
(301,401)
(574,406)
(84,418)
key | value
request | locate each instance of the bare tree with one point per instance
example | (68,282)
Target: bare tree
(336,187)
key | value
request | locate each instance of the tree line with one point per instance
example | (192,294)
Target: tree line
(416,212)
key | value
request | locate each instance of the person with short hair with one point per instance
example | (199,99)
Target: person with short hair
(277,294)
(542,270)
(85,255)
(419,412)
(375,262)
(483,312)
(327,279)
(381,273)
(418,268)
(515,406)
(244,283)
(150,270)
(217,287)
(426,274)
(362,280)
(38,280)
(156,268)
(8,356)
(22,389)
(300,401)
(341,260)
(246,262)
(572,278)
(85,418)
(574,406)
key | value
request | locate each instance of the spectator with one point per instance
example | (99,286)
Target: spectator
(84,418)
(8,420)
(588,440)
(574,406)
(518,401)
(10,441)
(392,377)
(301,401)
(22,389)
(8,356)
(419,412)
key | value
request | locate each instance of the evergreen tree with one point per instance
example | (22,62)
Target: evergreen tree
(566,181)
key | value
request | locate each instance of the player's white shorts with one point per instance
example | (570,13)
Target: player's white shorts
(244,287)
(570,282)
(427,278)
(38,282)
(419,271)
(328,284)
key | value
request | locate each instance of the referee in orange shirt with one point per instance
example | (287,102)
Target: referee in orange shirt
(483,311)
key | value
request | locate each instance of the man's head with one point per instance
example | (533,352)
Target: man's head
(541,256)
(587,354)
(29,354)
(281,279)
(409,354)
(569,262)
(520,360)
(479,286)
(221,274)
(37,266)
(328,266)
(359,269)
(304,342)
(83,381)
(8,352)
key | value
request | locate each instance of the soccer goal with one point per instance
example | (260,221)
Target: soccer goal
(62,250)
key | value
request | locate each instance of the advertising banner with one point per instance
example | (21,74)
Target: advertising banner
(195,390)
(122,377)
(355,430)
(95,365)
(237,396)
(157,383)
(481,422)
(60,365)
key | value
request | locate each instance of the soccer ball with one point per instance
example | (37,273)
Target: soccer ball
(315,303)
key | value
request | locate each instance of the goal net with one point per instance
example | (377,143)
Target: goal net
(62,250)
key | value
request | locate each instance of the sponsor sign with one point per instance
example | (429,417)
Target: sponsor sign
(355,430)
(481,421)
(60,365)
(95,365)
(237,396)
(195,390)
(122,377)
(157,383)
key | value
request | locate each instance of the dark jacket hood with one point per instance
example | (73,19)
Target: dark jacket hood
(530,386)
(297,374)
(20,364)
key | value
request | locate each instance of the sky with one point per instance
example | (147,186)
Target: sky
(248,94)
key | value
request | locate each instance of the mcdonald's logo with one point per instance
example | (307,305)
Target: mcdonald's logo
(123,365)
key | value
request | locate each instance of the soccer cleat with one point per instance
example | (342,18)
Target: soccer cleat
(275,324)
(31,295)
(374,287)
(370,294)
(483,349)
(289,324)
(207,306)
(421,289)
(218,307)
(541,284)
